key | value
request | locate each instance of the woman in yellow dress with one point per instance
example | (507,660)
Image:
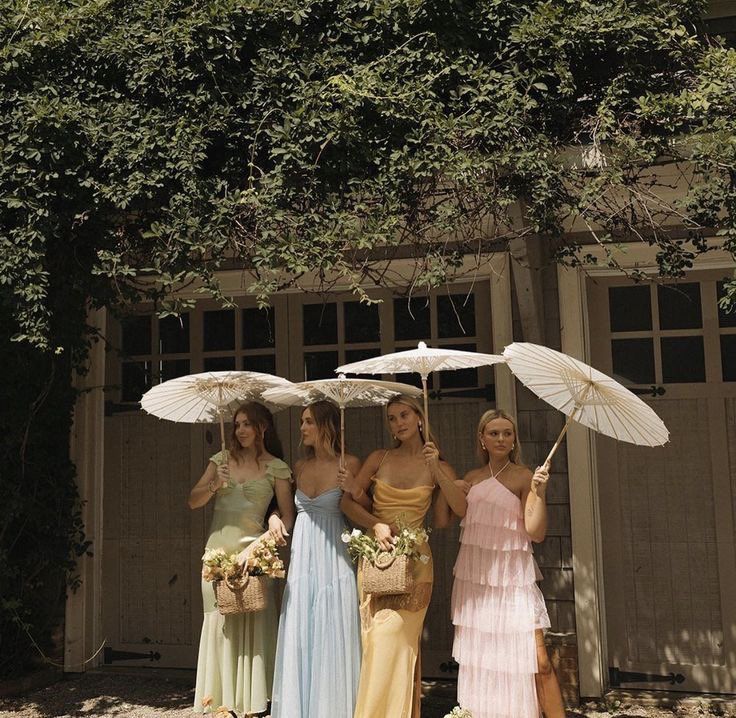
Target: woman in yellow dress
(398,484)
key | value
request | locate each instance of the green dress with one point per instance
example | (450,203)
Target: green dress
(236,652)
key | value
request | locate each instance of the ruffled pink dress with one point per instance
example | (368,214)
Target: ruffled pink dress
(496,607)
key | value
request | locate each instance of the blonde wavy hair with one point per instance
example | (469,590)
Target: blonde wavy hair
(327,420)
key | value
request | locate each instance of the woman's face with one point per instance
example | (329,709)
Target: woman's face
(403,421)
(245,431)
(498,437)
(309,430)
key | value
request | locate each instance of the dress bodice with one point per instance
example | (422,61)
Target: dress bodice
(409,506)
(327,503)
(240,508)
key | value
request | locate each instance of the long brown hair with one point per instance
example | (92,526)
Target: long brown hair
(490,415)
(414,404)
(267,440)
(327,420)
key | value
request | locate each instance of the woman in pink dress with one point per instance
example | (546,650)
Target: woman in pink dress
(497,607)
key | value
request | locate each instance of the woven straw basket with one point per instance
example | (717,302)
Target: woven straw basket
(388,575)
(240,594)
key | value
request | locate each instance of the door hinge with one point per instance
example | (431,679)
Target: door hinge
(487,392)
(616,677)
(112,655)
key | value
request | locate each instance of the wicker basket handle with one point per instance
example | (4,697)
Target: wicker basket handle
(237,581)
(384,559)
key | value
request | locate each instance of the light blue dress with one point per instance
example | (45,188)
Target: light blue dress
(318,650)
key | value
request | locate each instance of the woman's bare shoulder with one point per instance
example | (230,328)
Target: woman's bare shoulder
(520,475)
(353,462)
(375,457)
(475,475)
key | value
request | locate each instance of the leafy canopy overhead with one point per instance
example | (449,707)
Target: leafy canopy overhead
(288,137)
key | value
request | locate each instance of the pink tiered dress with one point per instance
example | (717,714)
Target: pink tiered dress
(496,607)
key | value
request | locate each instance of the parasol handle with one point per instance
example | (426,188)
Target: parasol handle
(426,408)
(548,460)
(222,432)
(342,437)
(579,405)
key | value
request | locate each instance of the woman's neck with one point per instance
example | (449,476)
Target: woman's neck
(411,446)
(247,455)
(321,454)
(497,465)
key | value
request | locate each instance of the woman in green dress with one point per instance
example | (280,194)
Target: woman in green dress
(236,652)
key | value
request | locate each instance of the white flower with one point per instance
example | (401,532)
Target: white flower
(458,712)
(356,533)
(345,537)
(424,558)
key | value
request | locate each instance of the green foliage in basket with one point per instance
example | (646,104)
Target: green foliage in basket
(262,560)
(408,542)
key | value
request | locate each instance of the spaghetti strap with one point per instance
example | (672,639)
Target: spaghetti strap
(374,478)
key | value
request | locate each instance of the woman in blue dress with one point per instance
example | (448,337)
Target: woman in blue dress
(318,649)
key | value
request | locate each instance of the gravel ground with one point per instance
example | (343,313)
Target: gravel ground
(169,694)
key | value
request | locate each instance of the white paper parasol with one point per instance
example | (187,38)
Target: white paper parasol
(207,397)
(585,395)
(342,391)
(423,360)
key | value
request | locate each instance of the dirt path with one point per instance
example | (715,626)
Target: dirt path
(169,694)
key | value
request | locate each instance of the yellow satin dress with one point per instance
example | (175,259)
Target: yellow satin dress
(391,626)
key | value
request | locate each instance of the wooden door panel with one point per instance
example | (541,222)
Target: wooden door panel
(153,541)
(662,566)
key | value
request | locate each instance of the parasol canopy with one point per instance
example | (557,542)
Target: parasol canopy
(423,360)
(585,395)
(207,397)
(343,391)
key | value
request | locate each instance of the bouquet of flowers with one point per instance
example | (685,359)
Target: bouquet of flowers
(262,560)
(388,572)
(217,565)
(458,712)
(239,586)
(408,541)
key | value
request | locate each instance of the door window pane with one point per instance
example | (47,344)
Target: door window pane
(455,315)
(679,306)
(728,356)
(412,319)
(415,380)
(136,379)
(219,364)
(320,365)
(352,355)
(459,378)
(136,334)
(683,360)
(265,363)
(725,319)
(362,322)
(633,360)
(173,334)
(172,368)
(219,330)
(630,308)
(259,328)
(320,324)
